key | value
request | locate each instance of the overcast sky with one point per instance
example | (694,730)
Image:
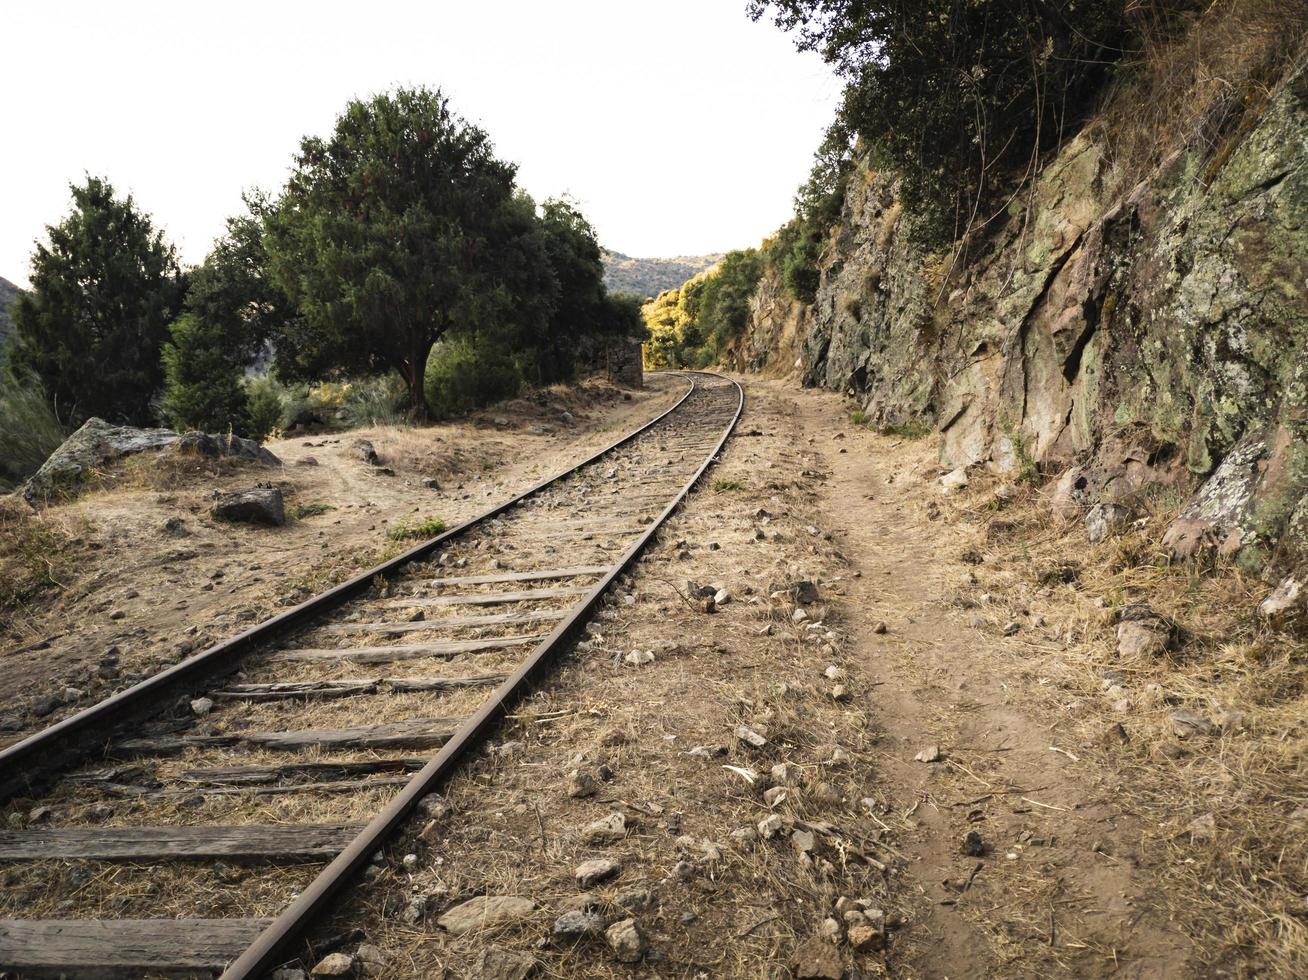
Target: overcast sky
(679,125)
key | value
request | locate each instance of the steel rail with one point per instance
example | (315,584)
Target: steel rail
(269,950)
(42,754)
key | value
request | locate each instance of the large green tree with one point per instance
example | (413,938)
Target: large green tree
(573,252)
(232,308)
(104,290)
(959,96)
(399,226)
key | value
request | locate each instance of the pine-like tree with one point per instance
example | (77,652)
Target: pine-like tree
(104,290)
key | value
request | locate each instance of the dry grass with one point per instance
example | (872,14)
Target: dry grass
(1240,894)
(1201,79)
(37,555)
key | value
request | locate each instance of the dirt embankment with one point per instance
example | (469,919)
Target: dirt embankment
(136,574)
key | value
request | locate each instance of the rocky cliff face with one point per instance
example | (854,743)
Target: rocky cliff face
(1125,335)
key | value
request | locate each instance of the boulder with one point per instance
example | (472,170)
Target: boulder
(204,446)
(1215,519)
(98,444)
(261,505)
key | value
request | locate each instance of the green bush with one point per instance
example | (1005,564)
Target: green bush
(266,405)
(29,429)
(202,383)
(403,531)
(465,374)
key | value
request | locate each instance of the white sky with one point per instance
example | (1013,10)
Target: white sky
(679,125)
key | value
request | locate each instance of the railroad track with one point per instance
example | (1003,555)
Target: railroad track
(199,822)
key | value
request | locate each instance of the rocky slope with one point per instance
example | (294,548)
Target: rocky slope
(649,277)
(1124,334)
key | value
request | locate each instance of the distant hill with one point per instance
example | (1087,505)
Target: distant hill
(649,277)
(8,294)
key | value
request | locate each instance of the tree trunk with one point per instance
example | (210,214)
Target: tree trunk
(414,372)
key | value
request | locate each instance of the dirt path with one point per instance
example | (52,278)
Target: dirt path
(1056,888)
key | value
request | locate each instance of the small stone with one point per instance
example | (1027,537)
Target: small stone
(638,658)
(721,597)
(1285,600)
(581,784)
(498,963)
(1230,721)
(625,940)
(577,924)
(683,871)
(750,737)
(798,616)
(866,938)
(775,795)
(804,592)
(1104,520)
(334,965)
(1202,828)
(803,840)
(833,673)
(39,814)
(879,628)
(118,614)
(973,845)
(484,912)
(409,861)
(591,873)
(606,830)
(201,706)
(770,826)
(1011,628)
(1186,724)
(434,806)
(786,774)
(708,751)
(744,835)
(370,955)
(839,693)
(929,754)
(634,899)
(818,959)
(954,480)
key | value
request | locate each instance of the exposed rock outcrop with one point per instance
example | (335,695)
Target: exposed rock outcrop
(98,444)
(1126,335)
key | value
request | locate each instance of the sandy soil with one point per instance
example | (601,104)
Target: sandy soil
(141,597)
(920,666)
(881,665)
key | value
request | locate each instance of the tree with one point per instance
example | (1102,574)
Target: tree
(233,307)
(573,252)
(959,97)
(103,292)
(396,228)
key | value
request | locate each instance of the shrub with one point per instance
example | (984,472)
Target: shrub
(374,401)
(29,429)
(404,531)
(464,374)
(202,383)
(266,405)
